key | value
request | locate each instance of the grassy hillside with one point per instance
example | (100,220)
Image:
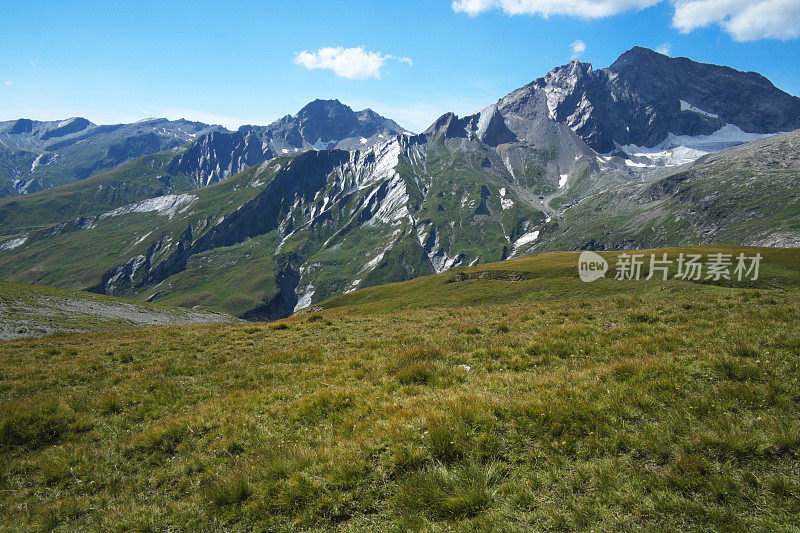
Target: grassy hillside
(33,310)
(519,400)
(554,276)
(104,191)
(84,251)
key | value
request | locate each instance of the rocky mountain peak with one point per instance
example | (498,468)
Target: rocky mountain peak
(645,98)
(326,120)
(637,55)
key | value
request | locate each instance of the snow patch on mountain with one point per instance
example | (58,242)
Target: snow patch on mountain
(168,206)
(305,299)
(505,203)
(13,243)
(686,106)
(524,240)
(322,145)
(680,149)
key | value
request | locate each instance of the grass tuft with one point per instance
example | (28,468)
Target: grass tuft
(443,493)
(36,428)
(231,491)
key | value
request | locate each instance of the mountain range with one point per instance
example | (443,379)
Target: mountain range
(38,155)
(651,151)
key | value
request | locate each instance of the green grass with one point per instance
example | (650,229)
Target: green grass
(613,408)
(554,276)
(743,194)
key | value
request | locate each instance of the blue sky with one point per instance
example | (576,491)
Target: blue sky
(237,62)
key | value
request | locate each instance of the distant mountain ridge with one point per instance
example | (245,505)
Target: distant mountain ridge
(37,155)
(320,125)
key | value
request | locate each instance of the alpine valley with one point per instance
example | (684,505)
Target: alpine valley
(650,152)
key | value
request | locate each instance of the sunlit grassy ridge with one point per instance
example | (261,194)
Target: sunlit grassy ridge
(555,276)
(618,408)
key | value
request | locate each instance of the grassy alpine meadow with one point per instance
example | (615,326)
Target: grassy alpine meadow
(507,397)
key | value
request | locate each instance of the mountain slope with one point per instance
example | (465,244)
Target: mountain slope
(320,125)
(748,195)
(38,155)
(553,276)
(77,252)
(308,227)
(208,159)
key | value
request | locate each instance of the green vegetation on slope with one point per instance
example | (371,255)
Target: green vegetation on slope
(554,276)
(81,254)
(605,409)
(746,195)
(126,184)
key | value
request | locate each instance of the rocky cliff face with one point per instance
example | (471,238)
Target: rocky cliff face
(219,155)
(38,155)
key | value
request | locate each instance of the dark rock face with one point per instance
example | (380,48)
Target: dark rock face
(326,120)
(23,125)
(645,95)
(640,99)
(332,124)
(746,99)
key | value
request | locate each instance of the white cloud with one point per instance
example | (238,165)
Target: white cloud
(351,63)
(33,62)
(745,20)
(576,8)
(578,48)
(664,49)
(8,83)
